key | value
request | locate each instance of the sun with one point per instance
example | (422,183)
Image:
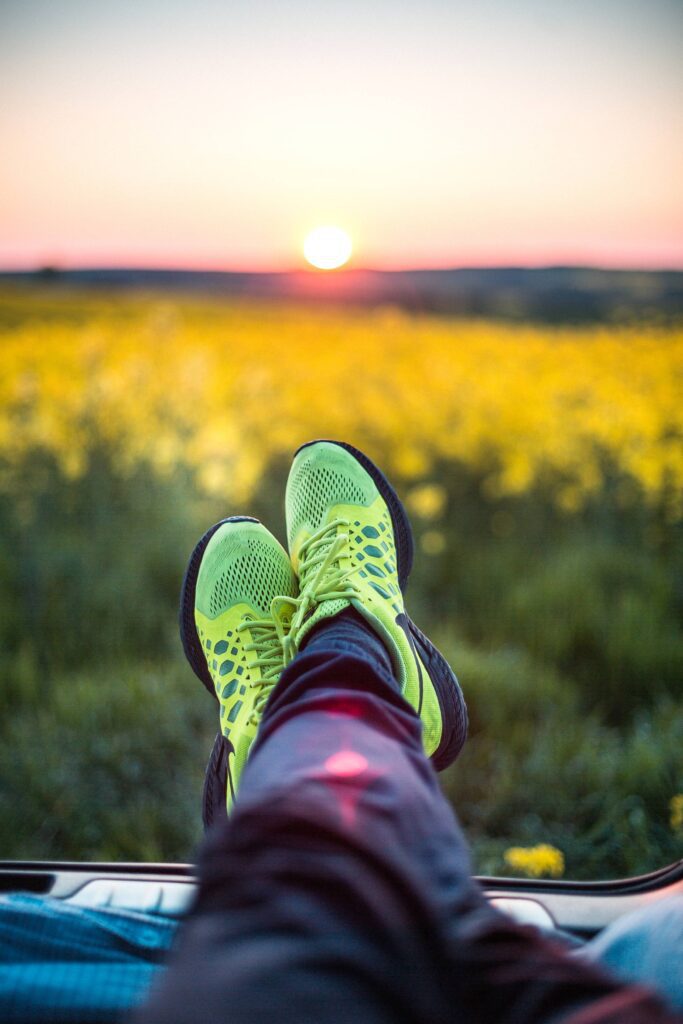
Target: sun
(327,248)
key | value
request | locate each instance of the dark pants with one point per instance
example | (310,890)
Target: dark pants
(340,890)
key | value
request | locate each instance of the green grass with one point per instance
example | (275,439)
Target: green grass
(107,764)
(564,630)
(538,768)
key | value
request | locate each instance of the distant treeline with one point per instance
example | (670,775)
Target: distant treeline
(550,295)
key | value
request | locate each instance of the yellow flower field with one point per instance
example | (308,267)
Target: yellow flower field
(226,385)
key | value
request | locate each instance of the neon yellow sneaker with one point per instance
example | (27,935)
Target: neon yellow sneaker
(351,545)
(235,605)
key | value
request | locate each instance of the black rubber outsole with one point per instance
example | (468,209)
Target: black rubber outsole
(217,778)
(188,630)
(446,684)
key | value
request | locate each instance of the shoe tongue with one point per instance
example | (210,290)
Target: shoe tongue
(325,610)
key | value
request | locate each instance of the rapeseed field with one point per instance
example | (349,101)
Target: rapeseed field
(227,387)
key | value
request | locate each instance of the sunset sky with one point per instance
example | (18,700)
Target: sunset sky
(218,134)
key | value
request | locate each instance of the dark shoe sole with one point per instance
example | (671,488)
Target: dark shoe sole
(449,694)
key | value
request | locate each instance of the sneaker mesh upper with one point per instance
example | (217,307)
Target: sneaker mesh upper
(250,573)
(314,487)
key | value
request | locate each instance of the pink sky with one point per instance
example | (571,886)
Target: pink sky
(218,135)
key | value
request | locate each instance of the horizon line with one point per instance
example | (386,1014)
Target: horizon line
(56,268)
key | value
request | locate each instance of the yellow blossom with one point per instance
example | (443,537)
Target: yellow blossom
(676,809)
(536,861)
(433,542)
(427,501)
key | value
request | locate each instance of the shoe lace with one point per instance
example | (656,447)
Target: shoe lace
(321,577)
(267,641)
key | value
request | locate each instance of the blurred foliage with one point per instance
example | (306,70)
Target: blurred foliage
(543,473)
(106,765)
(538,768)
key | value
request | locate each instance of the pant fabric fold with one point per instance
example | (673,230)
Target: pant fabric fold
(340,890)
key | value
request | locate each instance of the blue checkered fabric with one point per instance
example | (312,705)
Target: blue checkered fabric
(62,963)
